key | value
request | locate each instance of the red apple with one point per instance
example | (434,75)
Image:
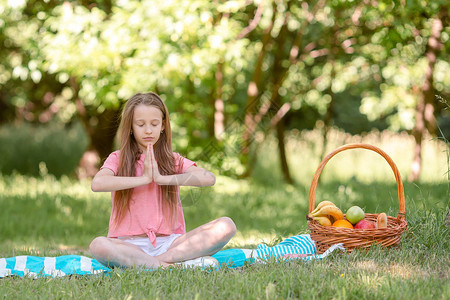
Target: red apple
(364,224)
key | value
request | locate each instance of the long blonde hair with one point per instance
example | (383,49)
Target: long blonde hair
(130,154)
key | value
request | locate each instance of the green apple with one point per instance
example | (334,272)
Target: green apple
(355,214)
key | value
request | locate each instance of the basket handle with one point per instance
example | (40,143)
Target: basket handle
(401,195)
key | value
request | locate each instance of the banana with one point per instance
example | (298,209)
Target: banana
(324,221)
(331,210)
(320,205)
(382,220)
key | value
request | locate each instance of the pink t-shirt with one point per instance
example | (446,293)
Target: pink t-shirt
(146,208)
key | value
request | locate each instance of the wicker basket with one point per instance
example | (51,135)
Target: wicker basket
(326,236)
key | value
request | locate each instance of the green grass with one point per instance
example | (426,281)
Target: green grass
(48,217)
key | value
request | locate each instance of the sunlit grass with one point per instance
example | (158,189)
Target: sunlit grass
(251,238)
(304,149)
(45,216)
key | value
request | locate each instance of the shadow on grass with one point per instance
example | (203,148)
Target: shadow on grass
(49,222)
(282,210)
(65,222)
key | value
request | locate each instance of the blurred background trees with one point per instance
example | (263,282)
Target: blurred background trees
(231,72)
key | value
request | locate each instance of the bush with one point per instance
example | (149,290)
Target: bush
(38,150)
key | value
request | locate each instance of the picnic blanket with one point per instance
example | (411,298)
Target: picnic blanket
(295,247)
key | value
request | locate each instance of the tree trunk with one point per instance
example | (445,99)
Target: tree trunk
(251,120)
(101,137)
(218,129)
(252,98)
(282,148)
(334,49)
(419,128)
(219,116)
(101,129)
(327,124)
(278,76)
(425,107)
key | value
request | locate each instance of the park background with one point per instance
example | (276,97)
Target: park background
(258,92)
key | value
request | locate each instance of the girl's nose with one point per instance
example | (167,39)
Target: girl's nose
(148,129)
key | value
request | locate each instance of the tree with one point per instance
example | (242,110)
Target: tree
(103,55)
(411,41)
(229,71)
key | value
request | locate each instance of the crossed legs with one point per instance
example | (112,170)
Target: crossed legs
(202,241)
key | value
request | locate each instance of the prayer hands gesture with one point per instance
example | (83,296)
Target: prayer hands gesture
(193,176)
(151,170)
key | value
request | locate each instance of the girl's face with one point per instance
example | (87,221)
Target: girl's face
(147,125)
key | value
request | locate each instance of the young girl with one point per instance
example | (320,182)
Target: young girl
(146,226)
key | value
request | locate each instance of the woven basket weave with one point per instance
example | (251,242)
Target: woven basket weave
(326,236)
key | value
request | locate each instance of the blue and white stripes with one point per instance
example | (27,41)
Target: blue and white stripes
(299,244)
(33,266)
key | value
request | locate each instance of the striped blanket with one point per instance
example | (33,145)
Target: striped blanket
(295,247)
(59,266)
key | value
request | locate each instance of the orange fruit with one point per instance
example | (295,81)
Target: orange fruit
(343,224)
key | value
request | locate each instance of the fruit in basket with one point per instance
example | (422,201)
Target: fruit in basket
(355,214)
(320,205)
(365,224)
(324,221)
(343,224)
(329,210)
(382,220)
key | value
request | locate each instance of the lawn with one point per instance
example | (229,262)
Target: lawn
(46,216)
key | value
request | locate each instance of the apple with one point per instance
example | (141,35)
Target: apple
(364,224)
(355,214)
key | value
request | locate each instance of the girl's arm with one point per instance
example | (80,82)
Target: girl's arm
(194,176)
(106,181)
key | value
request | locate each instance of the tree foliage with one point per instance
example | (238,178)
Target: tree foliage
(229,71)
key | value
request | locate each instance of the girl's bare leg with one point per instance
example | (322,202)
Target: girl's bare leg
(116,253)
(202,241)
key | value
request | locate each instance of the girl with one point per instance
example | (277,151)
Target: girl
(146,226)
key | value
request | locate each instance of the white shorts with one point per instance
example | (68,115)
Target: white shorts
(162,243)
